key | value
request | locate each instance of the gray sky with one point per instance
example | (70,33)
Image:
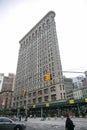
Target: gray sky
(17,17)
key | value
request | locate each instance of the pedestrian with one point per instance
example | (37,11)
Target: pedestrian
(26,116)
(69,124)
(30,116)
(34,115)
(14,118)
(19,117)
(44,116)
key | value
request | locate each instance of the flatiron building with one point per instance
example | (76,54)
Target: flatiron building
(39,55)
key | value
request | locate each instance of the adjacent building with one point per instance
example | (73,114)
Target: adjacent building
(86,74)
(6,94)
(1,80)
(80,93)
(68,84)
(8,82)
(78,81)
(68,88)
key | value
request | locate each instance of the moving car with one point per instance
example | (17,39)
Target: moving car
(8,124)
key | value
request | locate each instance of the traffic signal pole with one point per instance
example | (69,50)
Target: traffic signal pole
(25,92)
(26,104)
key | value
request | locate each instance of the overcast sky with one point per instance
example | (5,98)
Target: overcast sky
(17,17)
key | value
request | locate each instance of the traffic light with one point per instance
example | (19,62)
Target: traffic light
(25,92)
(48,77)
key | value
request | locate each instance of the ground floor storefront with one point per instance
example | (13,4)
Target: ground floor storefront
(74,107)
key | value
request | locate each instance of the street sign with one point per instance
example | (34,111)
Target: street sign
(71,101)
(47,104)
(34,106)
(85,99)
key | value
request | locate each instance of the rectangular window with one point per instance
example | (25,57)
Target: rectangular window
(46,98)
(53,89)
(29,94)
(60,87)
(40,99)
(34,93)
(40,92)
(45,91)
(34,100)
(53,97)
(61,95)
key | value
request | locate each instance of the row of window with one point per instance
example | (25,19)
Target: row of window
(40,92)
(47,54)
(46,91)
(40,99)
(40,83)
(37,31)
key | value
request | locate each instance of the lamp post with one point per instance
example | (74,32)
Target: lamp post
(78,109)
(18,109)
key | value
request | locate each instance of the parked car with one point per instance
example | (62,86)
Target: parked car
(8,124)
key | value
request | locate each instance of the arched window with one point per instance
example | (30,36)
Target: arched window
(43,25)
(29,38)
(48,21)
(40,29)
(33,35)
(36,33)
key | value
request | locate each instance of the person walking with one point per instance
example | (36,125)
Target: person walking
(44,116)
(69,124)
(19,117)
(26,117)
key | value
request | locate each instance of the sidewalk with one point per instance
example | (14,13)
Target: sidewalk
(38,120)
(52,124)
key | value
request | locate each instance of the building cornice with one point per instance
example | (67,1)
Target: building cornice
(6,91)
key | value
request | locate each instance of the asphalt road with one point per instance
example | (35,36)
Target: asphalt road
(49,127)
(55,124)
